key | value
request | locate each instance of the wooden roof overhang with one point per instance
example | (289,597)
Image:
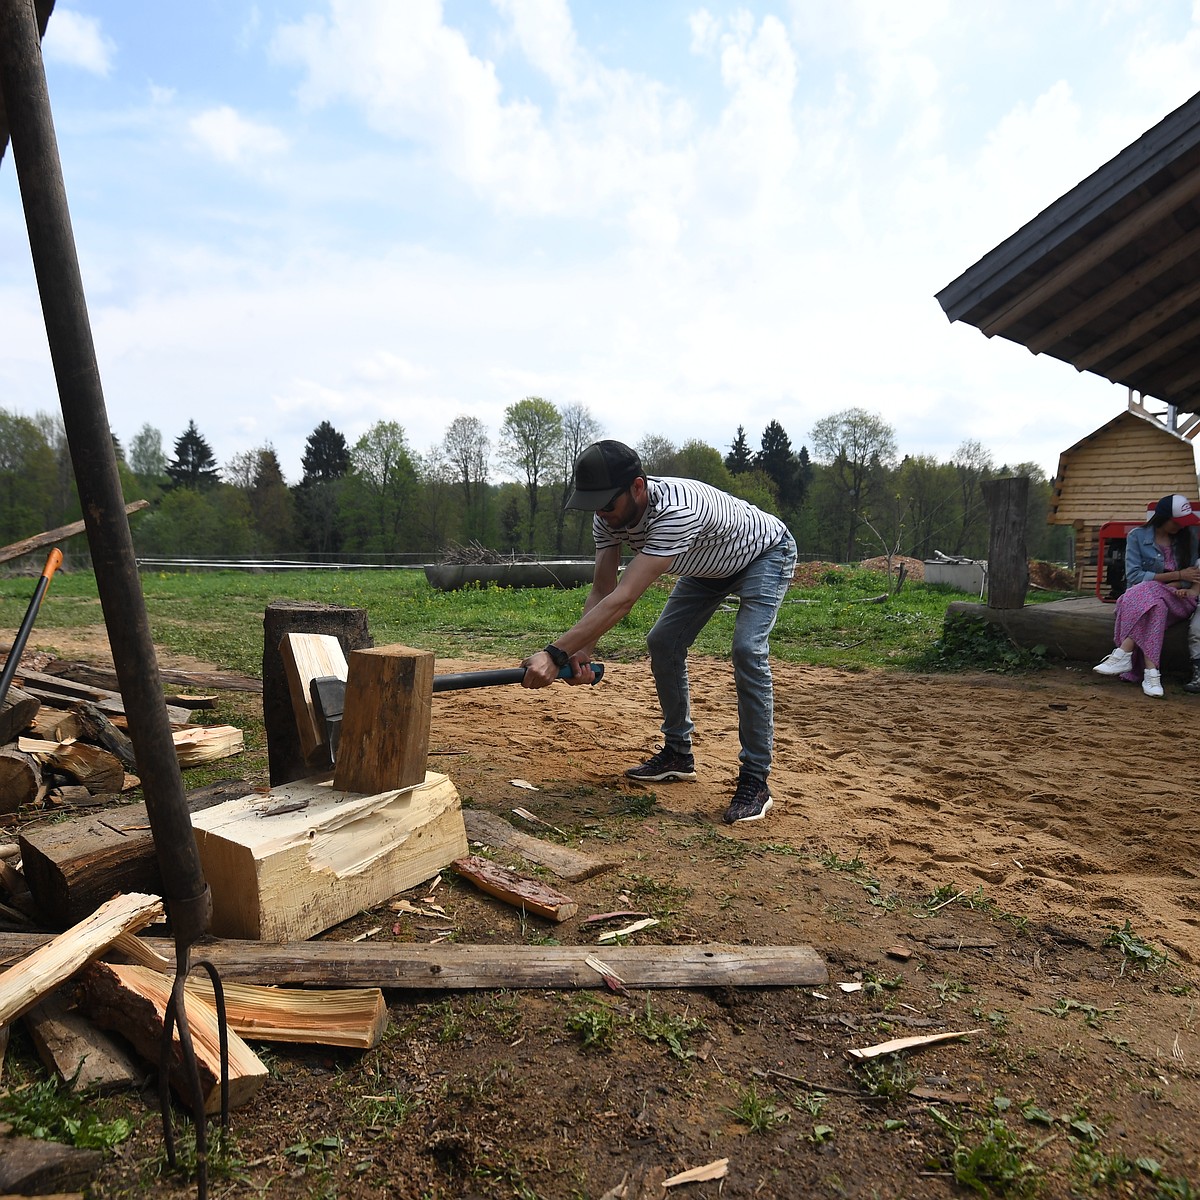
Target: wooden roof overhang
(1108,277)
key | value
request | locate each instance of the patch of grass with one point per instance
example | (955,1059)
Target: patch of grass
(50,1111)
(668,1028)
(832,861)
(1137,951)
(757,1112)
(989,1158)
(1090,1013)
(970,643)
(640,804)
(596,1025)
(889,1075)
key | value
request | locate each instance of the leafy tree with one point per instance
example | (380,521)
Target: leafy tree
(466,447)
(972,465)
(579,430)
(758,487)
(856,445)
(381,488)
(696,460)
(26,467)
(928,495)
(191,522)
(326,455)
(146,457)
(194,465)
(739,459)
(530,443)
(658,455)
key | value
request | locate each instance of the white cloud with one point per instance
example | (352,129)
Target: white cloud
(231,138)
(78,41)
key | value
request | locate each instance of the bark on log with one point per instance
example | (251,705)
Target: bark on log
(1008,567)
(95,727)
(74,866)
(17,713)
(349,625)
(510,887)
(20,780)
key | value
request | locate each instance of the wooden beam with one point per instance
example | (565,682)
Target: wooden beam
(307,855)
(385,728)
(494,831)
(40,540)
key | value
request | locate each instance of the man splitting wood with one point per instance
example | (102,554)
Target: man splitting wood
(718,546)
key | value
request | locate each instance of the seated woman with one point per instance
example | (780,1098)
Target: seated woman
(1162,587)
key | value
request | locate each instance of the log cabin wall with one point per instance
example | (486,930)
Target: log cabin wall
(1111,475)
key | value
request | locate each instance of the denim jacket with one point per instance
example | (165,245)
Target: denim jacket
(1144,559)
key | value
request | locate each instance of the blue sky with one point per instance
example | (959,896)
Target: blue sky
(684,216)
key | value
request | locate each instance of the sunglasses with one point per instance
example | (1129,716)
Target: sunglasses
(613,502)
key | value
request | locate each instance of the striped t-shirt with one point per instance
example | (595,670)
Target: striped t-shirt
(709,533)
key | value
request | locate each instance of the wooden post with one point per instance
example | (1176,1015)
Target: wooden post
(285,757)
(1008,566)
(385,725)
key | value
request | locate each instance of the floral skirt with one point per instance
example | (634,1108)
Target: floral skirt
(1144,612)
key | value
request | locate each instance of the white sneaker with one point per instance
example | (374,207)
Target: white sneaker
(1152,683)
(1117,663)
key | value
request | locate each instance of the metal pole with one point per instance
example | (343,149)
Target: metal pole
(56,266)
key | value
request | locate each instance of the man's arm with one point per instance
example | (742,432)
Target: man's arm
(609,602)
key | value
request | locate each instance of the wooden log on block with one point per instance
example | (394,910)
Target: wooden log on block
(17,713)
(307,855)
(506,885)
(132,1001)
(309,656)
(20,780)
(73,866)
(566,863)
(385,727)
(39,974)
(81,1055)
(349,625)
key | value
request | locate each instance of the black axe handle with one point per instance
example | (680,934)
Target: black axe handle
(474,679)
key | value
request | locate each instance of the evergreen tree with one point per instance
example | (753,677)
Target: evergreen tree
(777,460)
(739,459)
(194,465)
(326,455)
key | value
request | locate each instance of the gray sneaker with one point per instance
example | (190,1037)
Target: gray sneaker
(751,800)
(665,766)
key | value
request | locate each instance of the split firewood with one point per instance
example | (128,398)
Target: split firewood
(207,743)
(96,728)
(191,702)
(513,889)
(37,975)
(96,768)
(17,713)
(133,1002)
(20,780)
(85,1058)
(54,724)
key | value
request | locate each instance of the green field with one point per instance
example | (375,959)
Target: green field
(217,616)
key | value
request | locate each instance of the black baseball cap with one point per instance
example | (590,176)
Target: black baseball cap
(602,472)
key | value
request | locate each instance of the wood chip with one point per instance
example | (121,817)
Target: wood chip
(717,1169)
(611,935)
(896,1045)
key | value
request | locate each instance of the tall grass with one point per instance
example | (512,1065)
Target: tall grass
(217,616)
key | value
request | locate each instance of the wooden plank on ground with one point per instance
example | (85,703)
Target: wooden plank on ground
(81,1055)
(40,973)
(309,656)
(566,863)
(507,885)
(385,726)
(133,1001)
(306,855)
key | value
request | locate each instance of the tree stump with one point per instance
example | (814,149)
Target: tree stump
(285,757)
(1008,564)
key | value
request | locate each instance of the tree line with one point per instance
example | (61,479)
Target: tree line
(846,493)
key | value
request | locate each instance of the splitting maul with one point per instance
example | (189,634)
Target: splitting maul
(328,692)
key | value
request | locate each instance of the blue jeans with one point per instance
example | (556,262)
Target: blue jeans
(761,588)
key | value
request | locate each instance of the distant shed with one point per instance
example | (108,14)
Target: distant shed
(1112,474)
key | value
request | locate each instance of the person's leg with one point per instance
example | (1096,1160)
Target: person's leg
(691,603)
(1193,637)
(761,591)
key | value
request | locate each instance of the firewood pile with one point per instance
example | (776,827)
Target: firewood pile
(64,743)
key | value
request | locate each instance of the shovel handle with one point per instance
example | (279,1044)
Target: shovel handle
(53,562)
